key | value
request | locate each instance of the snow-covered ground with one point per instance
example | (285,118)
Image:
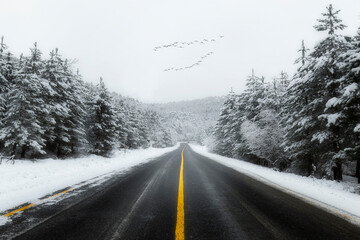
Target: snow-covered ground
(339,198)
(27,181)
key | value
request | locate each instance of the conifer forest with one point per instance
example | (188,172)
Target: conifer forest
(308,123)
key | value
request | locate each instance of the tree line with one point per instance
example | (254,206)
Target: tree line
(46,109)
(308,123)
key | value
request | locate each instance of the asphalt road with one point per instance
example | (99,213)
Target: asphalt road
(219,203)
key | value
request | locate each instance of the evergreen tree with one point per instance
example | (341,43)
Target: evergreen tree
(44,108)
(330,22)
(254,94)
(58,97)
(144,140)
(75,121)
(344,109)
(238,116)
(22,130)
(3,83)
(133,134)
(122,127)
(309,139)
(223,127)
(102,122)
(3,80)
(303,50)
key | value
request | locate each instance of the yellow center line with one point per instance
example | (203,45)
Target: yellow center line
(34,204)
(19,210)
(180,220)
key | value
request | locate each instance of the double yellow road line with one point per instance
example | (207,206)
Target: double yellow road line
(180,219)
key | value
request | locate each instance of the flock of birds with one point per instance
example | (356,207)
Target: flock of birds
(192,65)
(185,44)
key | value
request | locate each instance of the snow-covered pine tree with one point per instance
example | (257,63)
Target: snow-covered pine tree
(330,22)
(101,132)
(254,94)
(131,132)
(249,124)
(249,106)
(155,129)
(7,67)
(75,121)
(3,82)
(310,142)
(297,141)
(122,127)
(224,143)
(143,130)
(275,93)
(57,98)
(328,70)
(22,130)
(344,109)
(167,138)
(304,52)
(237,117)
(3,64)
(134,138)
(260,128)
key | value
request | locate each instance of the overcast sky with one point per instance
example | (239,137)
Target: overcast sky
(115,39)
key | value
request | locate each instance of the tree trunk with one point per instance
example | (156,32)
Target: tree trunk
(23,151)
(58,154)
(14,149)
(310,169)
(358,169)
(338,171)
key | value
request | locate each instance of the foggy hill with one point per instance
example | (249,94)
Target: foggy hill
(190,120)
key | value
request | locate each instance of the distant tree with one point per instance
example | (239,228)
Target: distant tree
(122,127)
(254,94)
(303,50)
(223,127)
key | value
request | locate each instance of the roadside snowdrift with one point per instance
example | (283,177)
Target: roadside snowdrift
(340,196)
(27,181)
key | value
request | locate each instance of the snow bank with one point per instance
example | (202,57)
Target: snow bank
(27,181)
(338,198)
(3,220)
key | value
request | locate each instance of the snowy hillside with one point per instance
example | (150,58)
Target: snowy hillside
(189,120)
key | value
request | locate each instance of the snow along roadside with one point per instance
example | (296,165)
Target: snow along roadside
(330,195)
(27,181)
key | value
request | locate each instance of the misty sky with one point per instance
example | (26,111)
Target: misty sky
(115,39)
